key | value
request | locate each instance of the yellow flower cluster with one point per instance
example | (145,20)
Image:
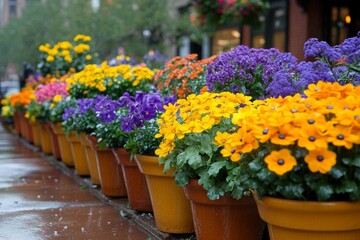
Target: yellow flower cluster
(195,114)
(328,119)
(139,73)
(82,47)
(6,109)
(81,37)
(98,77)
(65,57)
(59,50)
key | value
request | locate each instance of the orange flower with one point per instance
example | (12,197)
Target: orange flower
(182,76)
(286,135)
(229,151)
(280,162)
(342,136)
(320,160)
(311,138)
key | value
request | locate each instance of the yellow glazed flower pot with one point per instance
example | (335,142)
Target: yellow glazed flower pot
(36,133)
(45,139)
(65,151)
(78,154)
(91,159)
(299,220)
(172,211)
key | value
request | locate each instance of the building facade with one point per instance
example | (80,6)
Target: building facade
(287,25)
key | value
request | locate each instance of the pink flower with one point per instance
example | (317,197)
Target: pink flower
(47,92)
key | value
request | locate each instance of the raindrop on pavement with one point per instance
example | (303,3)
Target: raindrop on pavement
(38,196)
(82,229)
(56,233)
(65,227)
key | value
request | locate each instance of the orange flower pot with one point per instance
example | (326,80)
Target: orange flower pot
(45,139)
(137,190)
(65,150)
(78,154)
(172,211)
(299,220)
(224,218)
(36,133)
(111,176)
(54,142)
(91,159)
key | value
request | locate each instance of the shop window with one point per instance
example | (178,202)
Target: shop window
(225,39)
(273,32)
(340,21)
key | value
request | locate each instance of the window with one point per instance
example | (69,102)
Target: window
(225,39)
(273,32)
(12,8)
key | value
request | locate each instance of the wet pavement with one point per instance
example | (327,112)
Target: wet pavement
(42,199)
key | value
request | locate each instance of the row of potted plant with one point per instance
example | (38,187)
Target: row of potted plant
(246,122)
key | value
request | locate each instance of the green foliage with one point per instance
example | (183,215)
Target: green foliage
(116,24)
(57,110)
(110,134)
(142,140)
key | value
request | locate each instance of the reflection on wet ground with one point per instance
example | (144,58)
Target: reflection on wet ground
(38,201)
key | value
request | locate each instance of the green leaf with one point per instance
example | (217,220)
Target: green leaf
(215,167)
(346,187)
(356,161)
(337,172)
(181,159)
(181,178)
(324,192)
(193,157)
(357,174)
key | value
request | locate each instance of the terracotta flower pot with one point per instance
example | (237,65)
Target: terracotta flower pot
(45,139)
(110,173)
(17,119)
(65,151)
(78,154)
(172,211)
(299,220)
(224,218)
(36,133)
(28,131)
(54,142)
(22,119)
(91,159)
(137,190)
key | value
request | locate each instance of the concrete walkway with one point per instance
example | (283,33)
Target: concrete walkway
(41,200)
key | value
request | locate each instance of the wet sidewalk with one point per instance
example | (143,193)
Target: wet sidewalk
(42,199)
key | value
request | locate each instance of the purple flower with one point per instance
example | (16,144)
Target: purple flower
(247,70)
(126,124)
(144,108)
(68,113)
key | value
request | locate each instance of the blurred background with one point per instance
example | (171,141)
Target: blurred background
(161,29)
